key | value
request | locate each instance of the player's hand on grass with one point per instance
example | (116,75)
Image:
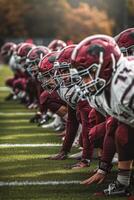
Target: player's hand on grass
(100,174)
(96,178)
(60,156)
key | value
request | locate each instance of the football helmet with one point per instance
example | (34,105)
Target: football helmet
(33,58)
(66,75)
(22,51)
(96,58)
(47,73)
(7,49)
(16,50)
(56,45)
(125,41)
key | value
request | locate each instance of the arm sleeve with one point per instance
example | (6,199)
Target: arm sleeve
(71,130)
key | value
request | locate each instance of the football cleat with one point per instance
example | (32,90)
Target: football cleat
(45,119)
(35,119)
(54,124)
(116,188)
(60,127)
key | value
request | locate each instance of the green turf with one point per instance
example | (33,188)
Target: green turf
(30,163)
(68,192)
(4,74)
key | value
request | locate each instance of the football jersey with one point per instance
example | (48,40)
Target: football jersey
(69,95)
(119,102)
(12,63)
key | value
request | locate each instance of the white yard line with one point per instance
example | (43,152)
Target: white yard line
(31,145)
(23,183)
(13,121)
(16,113)
(5,89)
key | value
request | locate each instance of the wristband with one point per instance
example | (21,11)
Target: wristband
(104,166)
(100,171)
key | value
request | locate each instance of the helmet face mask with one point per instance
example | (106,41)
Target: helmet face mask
(92,83)
(20,62)
(95,86)
(47,80)
(7,49)
(63,73)
(33,58)
(47,72)
(129,51)
(21,55)
(32,68)
(66,75)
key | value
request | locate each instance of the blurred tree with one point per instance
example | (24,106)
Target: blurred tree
(115,9)
(52,18)
(130,4)
(45,18)
(11,17)
(60,19)
(84,20)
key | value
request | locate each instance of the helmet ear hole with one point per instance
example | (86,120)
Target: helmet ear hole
(95,50)
(132,35)
(52,59)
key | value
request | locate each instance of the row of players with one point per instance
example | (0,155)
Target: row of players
(89,86)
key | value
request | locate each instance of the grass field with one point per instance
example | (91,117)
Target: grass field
(24,171)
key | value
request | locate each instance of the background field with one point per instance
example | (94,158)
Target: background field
(28,164)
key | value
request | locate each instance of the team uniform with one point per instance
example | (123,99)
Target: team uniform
(108,80)
(70,97)
(90,137)
(117,101)
(50,101)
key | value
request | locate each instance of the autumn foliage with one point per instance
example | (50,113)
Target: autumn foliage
(130,4)
(12,17)
(85,20)
(52,19)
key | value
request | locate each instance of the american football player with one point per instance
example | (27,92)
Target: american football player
(50,98)
(7,50)
(7,54)
(67,91)
(32,60)
(21,85)
(108,80)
